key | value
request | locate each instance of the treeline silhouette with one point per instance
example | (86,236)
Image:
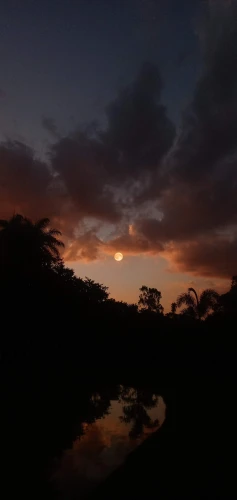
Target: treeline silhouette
(50,314)
(32,272)
(67,347)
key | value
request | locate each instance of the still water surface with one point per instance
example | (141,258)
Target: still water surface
(105,443)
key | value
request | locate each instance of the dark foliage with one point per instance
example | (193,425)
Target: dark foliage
(66,348)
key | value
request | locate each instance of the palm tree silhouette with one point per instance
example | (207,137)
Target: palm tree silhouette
(28,247)
(136,404)
(198,307)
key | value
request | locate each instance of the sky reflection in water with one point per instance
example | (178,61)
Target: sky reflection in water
(106,443)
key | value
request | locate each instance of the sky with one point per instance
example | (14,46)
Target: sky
(118,122)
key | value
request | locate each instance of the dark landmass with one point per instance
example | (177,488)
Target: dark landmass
(64,340)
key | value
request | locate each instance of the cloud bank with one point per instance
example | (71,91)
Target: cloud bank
(138,185)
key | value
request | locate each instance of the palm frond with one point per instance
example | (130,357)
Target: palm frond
(208,299)
(196,295)
(209,294)
(185,299)
(21,236)
(27,221)
(55,232)
(51,241)
(42,223)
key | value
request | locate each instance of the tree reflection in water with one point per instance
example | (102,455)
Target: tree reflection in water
(113,423)
(136,404)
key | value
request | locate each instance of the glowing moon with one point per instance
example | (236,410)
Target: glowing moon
(118,256)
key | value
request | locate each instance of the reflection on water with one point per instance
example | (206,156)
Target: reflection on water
(106,442)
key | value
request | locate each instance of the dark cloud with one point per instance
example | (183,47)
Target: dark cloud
(29,186)
(25,182)
(50,126)
(183,56)
(212,256)
(208,133)
(199,182)
(80,160)
(99,167)
(192,209)
(91,172)
(131,244)
(199,201)
(162,194)
(139,131)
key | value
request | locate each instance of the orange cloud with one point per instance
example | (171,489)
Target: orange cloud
(125,174)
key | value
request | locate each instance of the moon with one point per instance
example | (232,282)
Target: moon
(118,256)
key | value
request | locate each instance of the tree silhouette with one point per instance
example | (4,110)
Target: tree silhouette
(173,308)
(64,273)
(234,283)
(228,301)
(96,292)
(149,300)
(198,307)
(172,313)
(120,308)
(28,251)
(26,246)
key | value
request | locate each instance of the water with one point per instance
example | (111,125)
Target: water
(104,443)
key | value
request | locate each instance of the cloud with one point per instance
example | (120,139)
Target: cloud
(173,195)
(103,170)
(208,130)
(129,244)
(25,182)
(215,256)
(200,202)
(198,198)
(197,231)
(92,172)
(139,131)
(84,247)
(80,161)
(50,126)
(30,187)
